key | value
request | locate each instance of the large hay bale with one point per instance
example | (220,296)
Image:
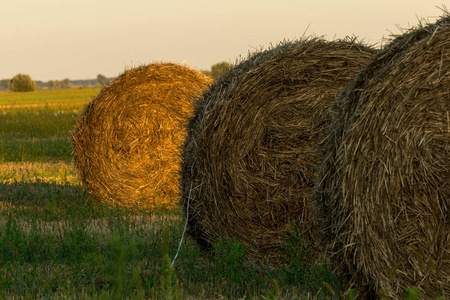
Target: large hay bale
(383,191)
(126,145)
(249,160)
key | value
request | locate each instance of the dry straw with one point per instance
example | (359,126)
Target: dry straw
(383,192)
(249,160)
(126,145)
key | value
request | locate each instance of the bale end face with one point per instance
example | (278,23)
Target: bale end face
(126,144)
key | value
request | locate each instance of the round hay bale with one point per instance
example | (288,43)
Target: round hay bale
(383,189)
(249,160)
(127,143)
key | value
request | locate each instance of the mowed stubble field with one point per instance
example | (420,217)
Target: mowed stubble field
(55,241)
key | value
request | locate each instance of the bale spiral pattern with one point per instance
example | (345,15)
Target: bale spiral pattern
(126,145)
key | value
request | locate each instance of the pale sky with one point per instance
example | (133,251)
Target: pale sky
(79,39)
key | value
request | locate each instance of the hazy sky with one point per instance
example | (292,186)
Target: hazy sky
(78,39)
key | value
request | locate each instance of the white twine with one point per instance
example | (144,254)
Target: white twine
(185,225)
(189,197)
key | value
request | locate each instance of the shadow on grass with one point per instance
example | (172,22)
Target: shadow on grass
(27,149)
(47,201)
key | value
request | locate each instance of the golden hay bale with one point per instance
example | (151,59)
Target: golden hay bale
(383,189)
(249,160)
(126,145)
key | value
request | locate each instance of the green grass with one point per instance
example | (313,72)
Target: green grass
(55,241)
(36,126)
(67,98)
(27,135)
(114,254)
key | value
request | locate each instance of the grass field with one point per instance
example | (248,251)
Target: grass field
(36,126)
(55,242)
(51,99)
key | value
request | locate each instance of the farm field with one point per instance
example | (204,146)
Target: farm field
(55,242)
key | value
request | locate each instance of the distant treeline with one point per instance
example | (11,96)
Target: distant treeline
(216,71)
(62,84)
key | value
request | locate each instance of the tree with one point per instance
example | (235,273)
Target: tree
(219,69)
(102,80)
(58,84)
(65,84)
(22,83)
(54,84)
(40,84)
(4,84)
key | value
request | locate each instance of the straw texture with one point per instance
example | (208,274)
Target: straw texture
(127,143)
(249,160)
(383,189)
